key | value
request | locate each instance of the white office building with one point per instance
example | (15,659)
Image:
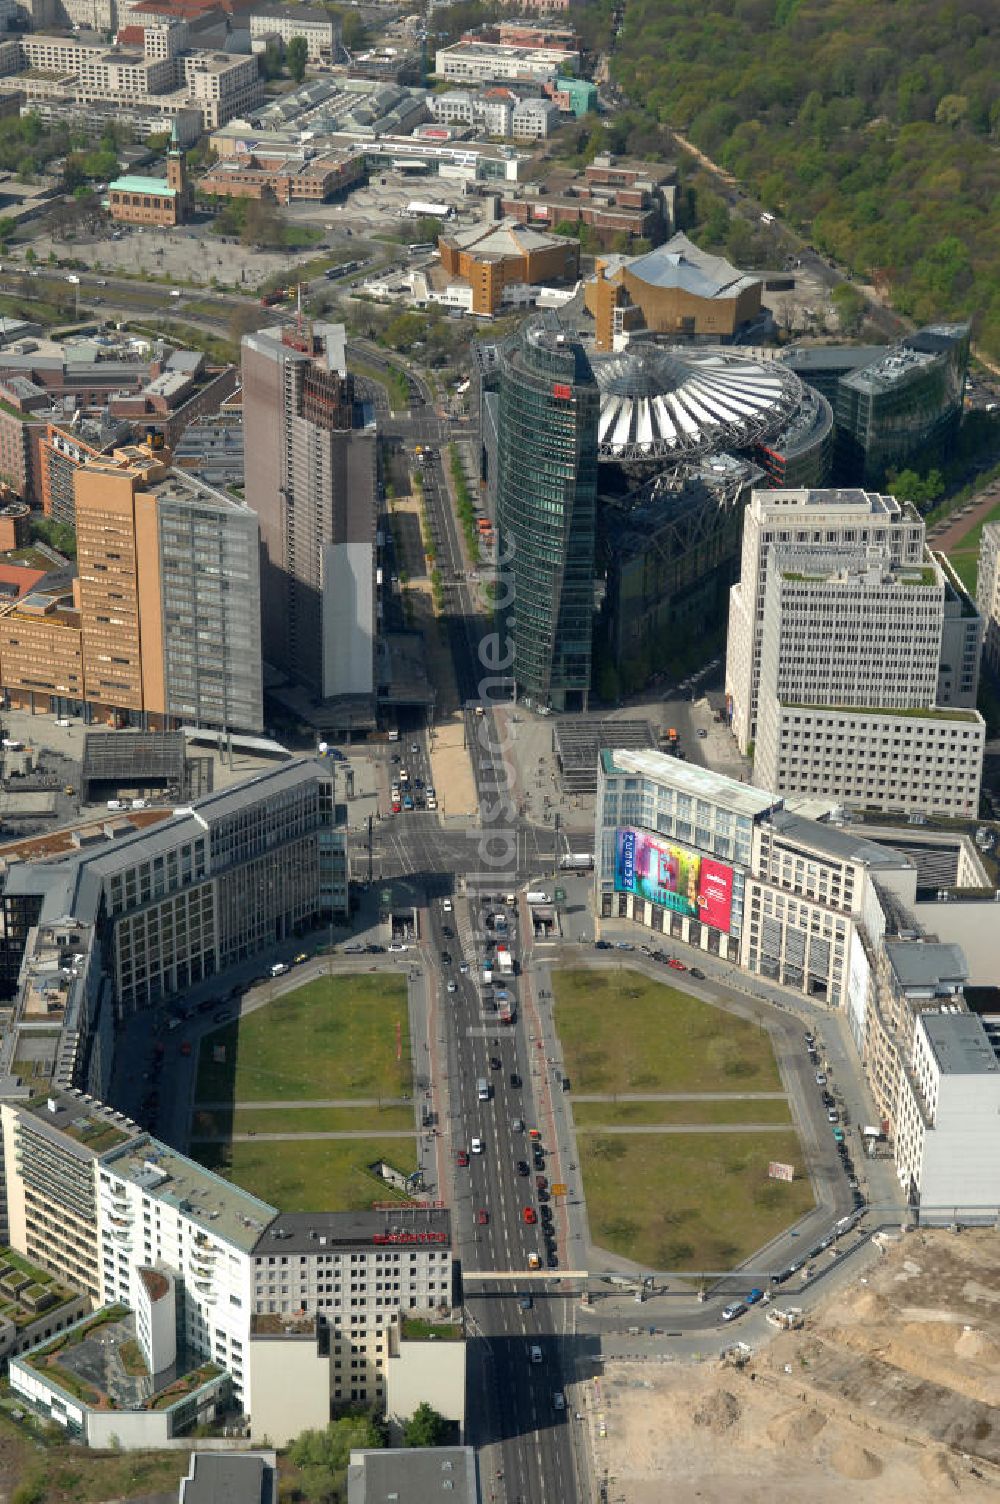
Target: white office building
(801,519)
(315,26)
(81,1177)
(905,762)
(534,119)
(850,664)
(988,592)
(483,62)
(948,1126)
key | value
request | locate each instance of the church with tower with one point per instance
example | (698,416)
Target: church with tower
(137,200)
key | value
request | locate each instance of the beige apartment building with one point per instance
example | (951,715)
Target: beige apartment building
(162,625)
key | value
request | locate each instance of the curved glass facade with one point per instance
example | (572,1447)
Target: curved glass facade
(546,501)
(910,399)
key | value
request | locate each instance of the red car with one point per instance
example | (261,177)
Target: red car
(482,1216)
(396,807)
(534,1133)
(530,1215)
(677,965)
(461,1159)
(186,1047)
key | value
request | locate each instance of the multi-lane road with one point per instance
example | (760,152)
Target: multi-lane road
(529,1452)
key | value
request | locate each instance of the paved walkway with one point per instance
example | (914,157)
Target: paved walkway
(296,1102)
(680,1096)
(952,530)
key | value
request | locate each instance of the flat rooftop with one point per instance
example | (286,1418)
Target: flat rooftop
(95,1129)
(927,963)
(834,498)
(307,1232)
(415,1475)
(700,783)
(214,1204)
(831,840)
(960,1044)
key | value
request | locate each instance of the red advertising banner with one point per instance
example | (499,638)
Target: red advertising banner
(565,393)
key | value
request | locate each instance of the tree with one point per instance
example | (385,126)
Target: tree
(296,56)
(425,1428)
(58,535)
(323,1456)
(272,61)
(262,225)
(922,491)
(850,306)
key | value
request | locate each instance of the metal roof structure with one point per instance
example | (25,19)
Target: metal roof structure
(577,742)
(662,404)
(133,759)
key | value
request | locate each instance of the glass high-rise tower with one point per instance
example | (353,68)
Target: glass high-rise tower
(546,501)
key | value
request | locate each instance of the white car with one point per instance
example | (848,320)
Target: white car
(464,968)
(476,1146)
(730,1313)
(559,1400)
(397,946)
(452,986)
(447,906)
(535,1353)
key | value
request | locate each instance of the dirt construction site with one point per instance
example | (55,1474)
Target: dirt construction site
(890,1391)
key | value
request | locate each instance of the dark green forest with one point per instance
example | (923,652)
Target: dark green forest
(873,126)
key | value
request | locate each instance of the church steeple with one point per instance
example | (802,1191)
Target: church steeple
(177,173)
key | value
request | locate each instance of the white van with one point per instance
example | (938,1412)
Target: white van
(483,1089)
(538,897)
(279,968)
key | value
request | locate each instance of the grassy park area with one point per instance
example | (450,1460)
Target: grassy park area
(311,1174)
(701,1110)
(342,1040)
(621,1031)
(689,1201)
(333,1038)
(964,555)
(675,1200)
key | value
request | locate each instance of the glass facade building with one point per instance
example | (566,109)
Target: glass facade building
(546,504)
(909,400)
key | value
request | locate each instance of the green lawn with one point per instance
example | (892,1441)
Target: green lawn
(333,1037)
(313,1174)
(690,1202)
(613,1114)
(303,1120)
(621,1031)
(964,555)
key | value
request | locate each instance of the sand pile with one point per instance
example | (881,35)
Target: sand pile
(974,1346)
(718,1412)
(851,1460)
(938,1473)
(796,1428)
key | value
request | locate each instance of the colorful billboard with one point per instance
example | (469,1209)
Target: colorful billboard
(674,876)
